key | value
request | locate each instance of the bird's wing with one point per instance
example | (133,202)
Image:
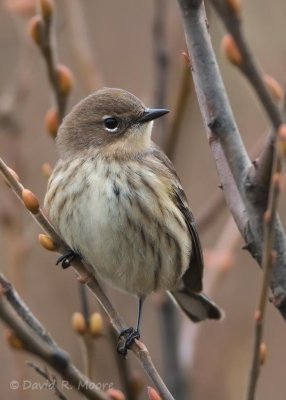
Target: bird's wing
(193,276)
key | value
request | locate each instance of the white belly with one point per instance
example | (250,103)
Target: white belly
(120,228)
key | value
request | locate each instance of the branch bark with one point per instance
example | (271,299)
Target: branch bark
(233,164)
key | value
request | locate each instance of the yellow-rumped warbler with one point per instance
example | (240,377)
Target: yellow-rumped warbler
(116,200)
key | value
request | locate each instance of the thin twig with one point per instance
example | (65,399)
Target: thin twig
(268,261)
(47,47)
(138,348)
(52,381)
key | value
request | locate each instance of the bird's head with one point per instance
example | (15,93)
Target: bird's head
(109,120)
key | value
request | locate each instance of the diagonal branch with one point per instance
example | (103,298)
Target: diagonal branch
(230,155)
(232,161)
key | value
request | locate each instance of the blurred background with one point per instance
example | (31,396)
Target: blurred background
(138,46)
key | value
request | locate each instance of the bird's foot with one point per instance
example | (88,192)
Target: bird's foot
(126,338)
(67,258)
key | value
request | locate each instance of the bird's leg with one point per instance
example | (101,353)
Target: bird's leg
(67,258)
(127,336)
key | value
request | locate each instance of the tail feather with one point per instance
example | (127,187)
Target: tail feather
(197,306)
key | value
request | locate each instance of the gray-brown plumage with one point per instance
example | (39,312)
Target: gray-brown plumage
(116,200)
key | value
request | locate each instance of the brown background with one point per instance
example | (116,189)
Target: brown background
(121,39)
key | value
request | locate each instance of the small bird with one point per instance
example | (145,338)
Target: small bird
(117,201)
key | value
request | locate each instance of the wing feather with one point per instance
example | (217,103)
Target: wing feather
(192,278)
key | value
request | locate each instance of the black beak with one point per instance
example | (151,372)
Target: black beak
(152,113)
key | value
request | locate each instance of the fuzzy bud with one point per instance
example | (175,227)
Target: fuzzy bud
(14,341)
(234,6)
(262,353)
(274,87)
(47,242)
(65,79)
(47,8)
(47,170)
(96,325)
(231,51)
(153,394)
(35,29)
(78,323)
(31,201)
(115,394)
(52,122)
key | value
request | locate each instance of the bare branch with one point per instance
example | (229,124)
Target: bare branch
(242,195)
(210,90)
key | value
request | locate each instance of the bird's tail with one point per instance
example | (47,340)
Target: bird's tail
(197,306)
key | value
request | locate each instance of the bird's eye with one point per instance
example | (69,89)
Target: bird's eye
(111,124)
